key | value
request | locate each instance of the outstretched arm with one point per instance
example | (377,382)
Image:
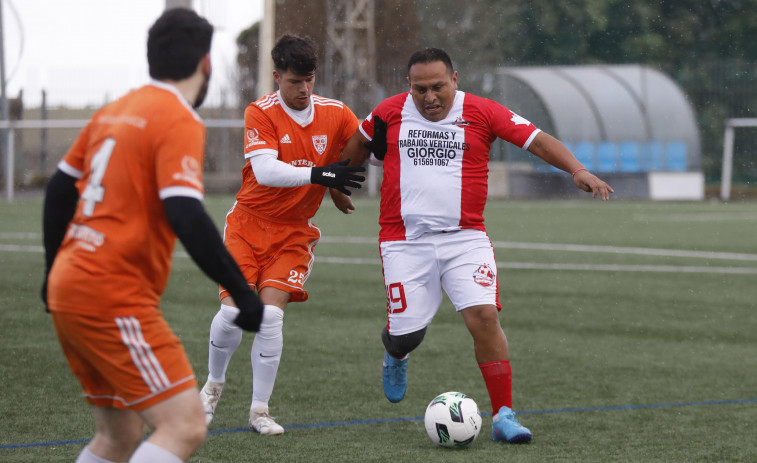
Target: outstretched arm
(554,152)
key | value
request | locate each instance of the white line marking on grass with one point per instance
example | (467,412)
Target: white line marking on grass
(626,250)
(695,217)
(581,248)
(21,248)
(20,235)
(539,266)
(584,267)
(629,268)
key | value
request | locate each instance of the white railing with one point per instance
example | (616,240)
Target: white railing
(10,127)
(728,141)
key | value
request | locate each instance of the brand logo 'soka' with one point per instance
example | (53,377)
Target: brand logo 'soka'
(320,142)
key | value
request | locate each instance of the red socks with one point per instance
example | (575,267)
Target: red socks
(499,382)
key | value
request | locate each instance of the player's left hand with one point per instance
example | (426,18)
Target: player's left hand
(342,201)
(338,175)
(377,145)
(587,181)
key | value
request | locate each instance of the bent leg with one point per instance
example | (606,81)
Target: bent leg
(492,354)
(399,346)
(225,337)
(489,341)
(118,433)
(178,424)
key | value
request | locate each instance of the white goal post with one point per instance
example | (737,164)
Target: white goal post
(728,141)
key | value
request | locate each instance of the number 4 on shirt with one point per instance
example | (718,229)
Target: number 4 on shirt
(94,191)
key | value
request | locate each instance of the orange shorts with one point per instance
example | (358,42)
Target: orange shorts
(271,253)
(124,360)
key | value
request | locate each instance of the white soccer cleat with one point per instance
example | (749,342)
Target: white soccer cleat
(262,423)
(210,395)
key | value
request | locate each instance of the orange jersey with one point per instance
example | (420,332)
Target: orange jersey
(134,152)
(316,142)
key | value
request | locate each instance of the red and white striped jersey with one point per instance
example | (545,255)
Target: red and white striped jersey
(436,173)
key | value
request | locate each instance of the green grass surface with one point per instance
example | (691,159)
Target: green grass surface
(639,344)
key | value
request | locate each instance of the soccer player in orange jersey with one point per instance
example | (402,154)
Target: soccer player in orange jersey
(293,140)
(128,187)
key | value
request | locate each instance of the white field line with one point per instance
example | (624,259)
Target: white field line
(582,248)
(585,267)
(515,265)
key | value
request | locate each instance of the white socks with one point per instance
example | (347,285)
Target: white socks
(225,337)
(266,355)
(86,456)
(150,453)
(145,453)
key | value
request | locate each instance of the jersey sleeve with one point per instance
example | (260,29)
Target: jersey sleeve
(259,133)
(179,160)
(73,161)
(510,126)
(350,123)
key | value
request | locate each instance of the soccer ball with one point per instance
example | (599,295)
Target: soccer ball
(452,420)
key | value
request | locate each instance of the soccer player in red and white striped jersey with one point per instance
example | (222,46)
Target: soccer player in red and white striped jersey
(434,142)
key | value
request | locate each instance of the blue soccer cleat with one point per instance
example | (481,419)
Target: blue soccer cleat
(505,427)
(394,377)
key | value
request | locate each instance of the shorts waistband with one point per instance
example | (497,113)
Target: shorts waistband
(248,210)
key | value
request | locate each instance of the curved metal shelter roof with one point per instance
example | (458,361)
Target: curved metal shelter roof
(623,104)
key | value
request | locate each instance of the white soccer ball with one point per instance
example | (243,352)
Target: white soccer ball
(452,420)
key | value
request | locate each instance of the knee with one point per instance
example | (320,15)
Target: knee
(192,432)
(400,346)
(122,441)
(198,433)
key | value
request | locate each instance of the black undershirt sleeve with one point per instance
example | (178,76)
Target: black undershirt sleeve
(199,235)
(61,197)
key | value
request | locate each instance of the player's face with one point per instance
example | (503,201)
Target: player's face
(433,89)
(295,88)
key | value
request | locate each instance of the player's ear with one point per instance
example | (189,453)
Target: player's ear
(205,63)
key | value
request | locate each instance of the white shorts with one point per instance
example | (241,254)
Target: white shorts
(415,272)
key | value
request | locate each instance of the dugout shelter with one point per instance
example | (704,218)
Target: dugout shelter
(630,124)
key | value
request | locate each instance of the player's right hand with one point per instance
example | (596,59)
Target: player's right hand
(377,145)
(250,312)
(338,175)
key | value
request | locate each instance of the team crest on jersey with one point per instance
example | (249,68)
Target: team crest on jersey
(190,171)
(484,275)
(320,142)
(460,122)
(253,138)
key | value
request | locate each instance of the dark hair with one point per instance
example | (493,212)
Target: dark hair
(176,43)
(430,55)
(295,53)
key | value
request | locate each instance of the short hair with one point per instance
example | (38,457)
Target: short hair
(176,43)
(430,55)
(295,53)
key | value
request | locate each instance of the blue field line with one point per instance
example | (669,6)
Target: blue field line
(420,418)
